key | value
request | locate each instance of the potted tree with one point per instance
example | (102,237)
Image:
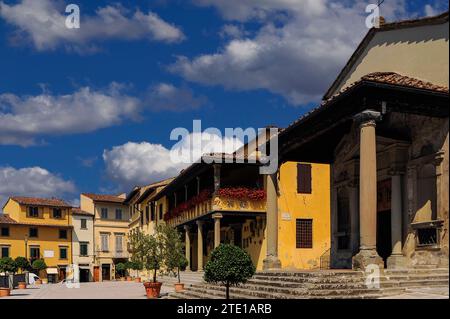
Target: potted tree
(23,265)
(149,249)
(7,266)
(137,267)
(120,269)
(174,255)
(40,266)
(230,266)
(128,267)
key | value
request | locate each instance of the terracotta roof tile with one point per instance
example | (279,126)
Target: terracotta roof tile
(5,219)
(53,202)
(79,211)
(105,198)
(389,78)
(401,80)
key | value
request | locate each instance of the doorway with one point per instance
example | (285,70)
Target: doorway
(84,275)
(384,243)
(106,272)
(96,273)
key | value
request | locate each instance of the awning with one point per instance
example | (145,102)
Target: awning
(52,271)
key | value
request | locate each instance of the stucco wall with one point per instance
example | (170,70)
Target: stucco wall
(420,52)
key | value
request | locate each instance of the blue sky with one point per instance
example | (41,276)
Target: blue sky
(91,109)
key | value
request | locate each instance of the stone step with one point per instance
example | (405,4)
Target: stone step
(423,283)
(417,271)
(311,274)
(355,292)
(254,288)
(239,293)
(309,279)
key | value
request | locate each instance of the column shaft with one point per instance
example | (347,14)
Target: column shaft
(272,261)
(200,245)
(187,247)
(217,218)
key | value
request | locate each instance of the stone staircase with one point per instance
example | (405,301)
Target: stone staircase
(330,284)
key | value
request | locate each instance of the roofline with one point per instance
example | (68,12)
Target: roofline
(41,205)
(350,90)
(439,19)
(104,201)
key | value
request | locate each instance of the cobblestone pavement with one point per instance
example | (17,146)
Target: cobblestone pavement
(91,290)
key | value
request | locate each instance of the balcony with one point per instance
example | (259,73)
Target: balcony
(229,200)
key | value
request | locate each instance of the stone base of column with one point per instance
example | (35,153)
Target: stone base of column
(396,262)
(367,257)
(271,263)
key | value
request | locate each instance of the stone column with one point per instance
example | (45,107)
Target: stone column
(272,261)
(187,247)
(217,218)
(396,260)
(367,192)
(200,245)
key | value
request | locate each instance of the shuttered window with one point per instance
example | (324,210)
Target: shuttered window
(105,242)
(147,214)
(304,179)
(119,243)
(304,235)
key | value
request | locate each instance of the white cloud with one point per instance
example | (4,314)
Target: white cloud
(133,164)
(297,51)
(165,96)
(43,24)
(23,118)
(32,181)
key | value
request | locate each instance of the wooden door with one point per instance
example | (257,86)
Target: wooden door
(96,273)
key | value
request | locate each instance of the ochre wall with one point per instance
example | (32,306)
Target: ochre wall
(315,206)
(48,239)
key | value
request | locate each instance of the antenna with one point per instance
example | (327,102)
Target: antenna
(380,2)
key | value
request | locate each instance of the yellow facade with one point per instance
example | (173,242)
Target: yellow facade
(314,206)
(48,239)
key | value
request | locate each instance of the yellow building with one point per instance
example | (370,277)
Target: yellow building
(38,228)
(227,203)
(111,219)
(143,211)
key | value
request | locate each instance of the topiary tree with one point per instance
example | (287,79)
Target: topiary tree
(136,266)
(8,266)
(120,268)
(230,266)
(22,263)
(39,265)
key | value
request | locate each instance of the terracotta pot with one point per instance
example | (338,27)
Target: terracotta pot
(5,292)
(137,279)
(152,289)
(129,278)
(122,279)
(22,285)
(38,282)
(179,287)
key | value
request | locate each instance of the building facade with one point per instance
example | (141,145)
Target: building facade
(383,128)
(227,203)
(83,244)
(111,219)
(38,228)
